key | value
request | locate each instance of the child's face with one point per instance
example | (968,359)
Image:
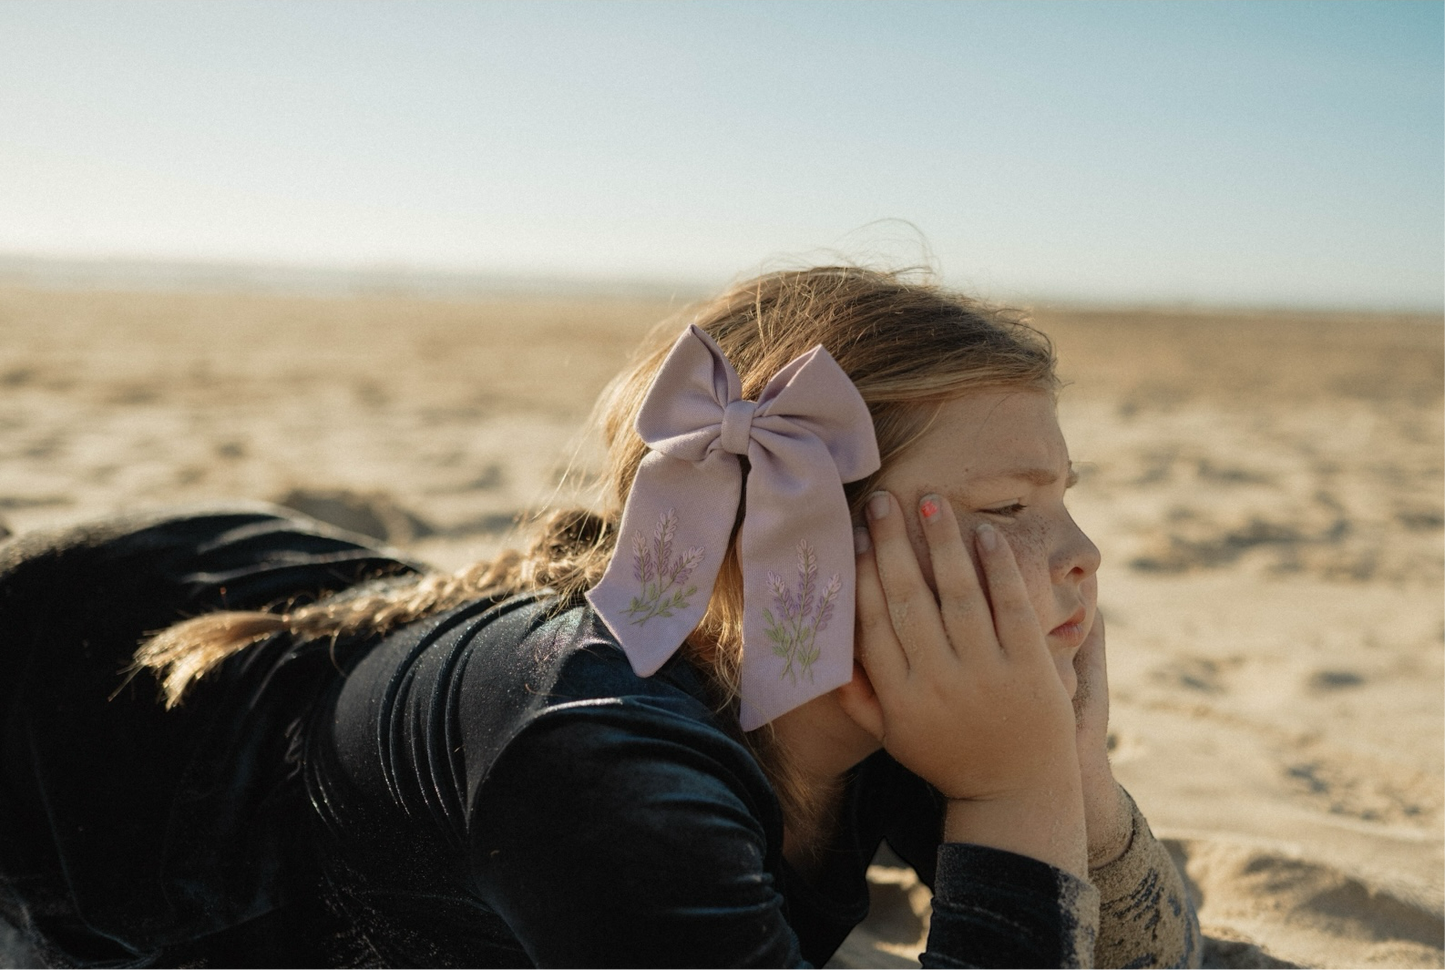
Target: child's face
(998,456)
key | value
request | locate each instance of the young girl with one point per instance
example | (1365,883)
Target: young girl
(832,598)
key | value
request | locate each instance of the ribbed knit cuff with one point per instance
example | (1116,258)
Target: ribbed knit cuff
(1146,918)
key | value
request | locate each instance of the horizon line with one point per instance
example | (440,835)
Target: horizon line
(132,273)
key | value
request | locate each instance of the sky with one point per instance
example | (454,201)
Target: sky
(1272,153)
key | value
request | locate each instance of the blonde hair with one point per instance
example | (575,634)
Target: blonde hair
(907,344)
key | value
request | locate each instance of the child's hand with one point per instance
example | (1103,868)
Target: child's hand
(1106,814)
(965,694)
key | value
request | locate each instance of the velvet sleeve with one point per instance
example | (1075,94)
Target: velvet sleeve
(616,836)
(993,908)
(613,836)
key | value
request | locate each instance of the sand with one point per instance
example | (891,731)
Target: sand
(1266,489)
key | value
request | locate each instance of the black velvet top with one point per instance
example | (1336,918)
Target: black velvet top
(488,787)
(500,776)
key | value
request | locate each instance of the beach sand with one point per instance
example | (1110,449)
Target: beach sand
(1266,489)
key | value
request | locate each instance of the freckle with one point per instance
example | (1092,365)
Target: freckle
(1031,543)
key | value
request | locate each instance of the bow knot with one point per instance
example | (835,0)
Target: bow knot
(737,427)
(808,433)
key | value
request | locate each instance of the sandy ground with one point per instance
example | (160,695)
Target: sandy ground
(1267,491)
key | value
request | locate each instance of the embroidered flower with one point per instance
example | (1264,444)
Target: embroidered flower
(801,616)
(662,577)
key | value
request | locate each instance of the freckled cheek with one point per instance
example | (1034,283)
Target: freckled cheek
(1030,543)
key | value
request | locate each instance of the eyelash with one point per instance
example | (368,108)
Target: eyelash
(1009,511)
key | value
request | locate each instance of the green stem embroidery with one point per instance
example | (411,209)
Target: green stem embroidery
(663,576)
(801,615)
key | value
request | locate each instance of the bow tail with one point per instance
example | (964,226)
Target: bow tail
(799,579)
(670,545)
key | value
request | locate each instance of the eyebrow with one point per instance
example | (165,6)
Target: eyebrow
(1042,477)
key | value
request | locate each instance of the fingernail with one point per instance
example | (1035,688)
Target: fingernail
(928,507)
(861,542)
(877,505)
(987,537)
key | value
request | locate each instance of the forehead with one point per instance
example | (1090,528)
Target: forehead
(988,433)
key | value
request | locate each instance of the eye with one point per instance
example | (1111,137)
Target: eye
(1009,511)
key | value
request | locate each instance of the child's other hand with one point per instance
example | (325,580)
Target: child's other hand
(1106,813)
(964,693)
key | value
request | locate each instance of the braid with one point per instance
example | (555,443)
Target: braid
(564,557)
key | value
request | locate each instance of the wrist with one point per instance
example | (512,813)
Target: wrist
(1044,823)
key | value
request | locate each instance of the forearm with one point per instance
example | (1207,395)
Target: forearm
(1044,824)
(1146,918)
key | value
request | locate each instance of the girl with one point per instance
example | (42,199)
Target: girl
(832,598)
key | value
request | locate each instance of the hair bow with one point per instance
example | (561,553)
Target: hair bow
(808,433)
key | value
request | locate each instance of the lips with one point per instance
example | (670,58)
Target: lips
(1072,631)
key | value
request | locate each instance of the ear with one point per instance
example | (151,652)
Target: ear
(859,701)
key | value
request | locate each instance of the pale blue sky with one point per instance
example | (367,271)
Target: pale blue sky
(1245,152)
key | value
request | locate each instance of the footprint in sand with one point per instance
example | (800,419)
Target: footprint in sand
(1309,913)
(1366,789)
(1328,680)
(1202,674)
(1226,952)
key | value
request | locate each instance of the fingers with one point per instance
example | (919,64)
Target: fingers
(1092,694)
(911,608)
(1013,615)
(878,648)
(1094,642)
(1089,661)
(961,601)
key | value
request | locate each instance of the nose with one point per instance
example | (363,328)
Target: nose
(1075,558)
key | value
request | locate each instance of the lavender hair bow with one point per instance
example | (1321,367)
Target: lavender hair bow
(808,433)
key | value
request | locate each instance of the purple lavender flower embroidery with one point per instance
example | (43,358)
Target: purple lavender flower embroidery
(801,616)
(663,577)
